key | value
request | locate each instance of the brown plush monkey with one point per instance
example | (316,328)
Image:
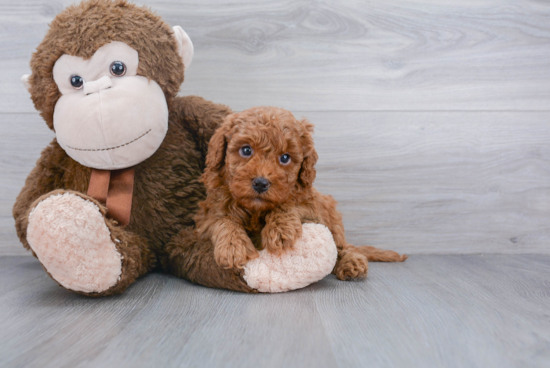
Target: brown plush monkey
(114,195)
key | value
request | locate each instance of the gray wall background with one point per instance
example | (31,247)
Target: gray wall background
(432,116)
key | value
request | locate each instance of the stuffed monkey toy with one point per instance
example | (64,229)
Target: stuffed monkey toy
(114,194)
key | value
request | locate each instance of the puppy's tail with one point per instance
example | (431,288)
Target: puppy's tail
(380,255)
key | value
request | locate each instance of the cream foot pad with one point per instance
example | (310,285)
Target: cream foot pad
(313,257)
(73,243)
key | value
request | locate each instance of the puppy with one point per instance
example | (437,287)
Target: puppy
(259,175)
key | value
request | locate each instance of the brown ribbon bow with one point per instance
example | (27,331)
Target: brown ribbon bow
(114,189)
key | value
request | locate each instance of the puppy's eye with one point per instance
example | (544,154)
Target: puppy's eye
(246,151)
(118,69)
(284,159)
(76,81)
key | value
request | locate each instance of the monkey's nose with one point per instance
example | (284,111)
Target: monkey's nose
(97,85)
(260,185)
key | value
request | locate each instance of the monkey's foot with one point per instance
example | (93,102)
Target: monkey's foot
(69,236)
(312,258)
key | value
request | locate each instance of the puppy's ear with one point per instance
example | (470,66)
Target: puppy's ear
(307,172)
(215,158)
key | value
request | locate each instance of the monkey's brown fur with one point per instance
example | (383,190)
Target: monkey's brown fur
(167,188)
(239,221)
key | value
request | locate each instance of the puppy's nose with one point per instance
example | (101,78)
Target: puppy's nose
(260,185)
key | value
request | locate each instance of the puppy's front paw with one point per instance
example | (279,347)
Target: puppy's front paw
(351,266)
(277,237)
(234,253)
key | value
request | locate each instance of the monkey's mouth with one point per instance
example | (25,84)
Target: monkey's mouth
(110,148)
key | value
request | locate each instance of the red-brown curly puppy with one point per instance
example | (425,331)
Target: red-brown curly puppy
(259,175)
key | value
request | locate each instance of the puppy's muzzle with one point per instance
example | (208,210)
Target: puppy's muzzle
(260,185)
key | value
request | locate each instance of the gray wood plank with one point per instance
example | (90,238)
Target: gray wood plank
(442,311)
(439,182)
(22,137)
(417,182)
(161,321)
(344,55)
(431,311)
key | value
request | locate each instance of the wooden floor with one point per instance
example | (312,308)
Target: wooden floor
(431,311)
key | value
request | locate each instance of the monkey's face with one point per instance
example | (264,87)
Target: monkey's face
(116,68)
(108,117)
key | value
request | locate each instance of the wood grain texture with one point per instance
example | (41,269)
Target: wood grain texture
(22,137)
(416,182)
(442,311)
(439,182)
(337,55)
(431,311)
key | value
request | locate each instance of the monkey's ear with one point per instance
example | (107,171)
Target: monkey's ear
(185,46)
(25,80)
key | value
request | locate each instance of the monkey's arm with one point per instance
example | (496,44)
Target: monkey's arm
(199,117)
(193,259)
(45,177)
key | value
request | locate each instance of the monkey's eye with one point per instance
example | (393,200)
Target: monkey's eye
(118,69)
(284,159)
(76,81)
(246,151)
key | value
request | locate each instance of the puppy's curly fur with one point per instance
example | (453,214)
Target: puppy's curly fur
(240,220)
